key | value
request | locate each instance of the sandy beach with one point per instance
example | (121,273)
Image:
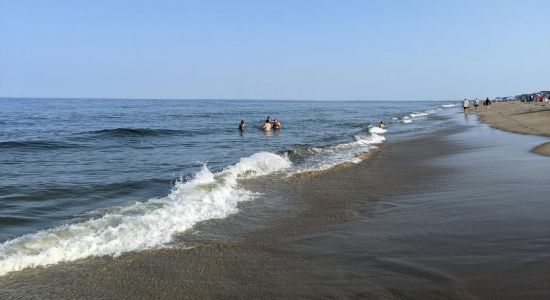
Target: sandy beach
(274,150)
(459,214)
(526,118)
(297,255)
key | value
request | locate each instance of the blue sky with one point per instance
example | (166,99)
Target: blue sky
(371,50)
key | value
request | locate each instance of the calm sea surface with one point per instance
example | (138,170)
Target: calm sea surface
(88,172)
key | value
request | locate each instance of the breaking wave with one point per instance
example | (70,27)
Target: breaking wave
(143,225)
(322,158)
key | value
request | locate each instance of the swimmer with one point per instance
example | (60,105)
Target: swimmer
(382,124)
(277,124)
(242,125)
(267,125)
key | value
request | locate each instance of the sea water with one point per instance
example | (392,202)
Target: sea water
(92,177)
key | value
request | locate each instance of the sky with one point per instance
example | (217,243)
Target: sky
(316,50)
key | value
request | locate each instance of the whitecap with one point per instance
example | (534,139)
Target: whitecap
(143,225)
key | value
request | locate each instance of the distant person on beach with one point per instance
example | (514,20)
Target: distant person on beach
(476,104)
(242,125)
(276,124)
(465,105)
(382,124)
(267,125)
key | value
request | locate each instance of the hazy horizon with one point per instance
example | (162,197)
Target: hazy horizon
(232,99)
(217,99)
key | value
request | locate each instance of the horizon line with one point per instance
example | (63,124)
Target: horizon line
(210,99)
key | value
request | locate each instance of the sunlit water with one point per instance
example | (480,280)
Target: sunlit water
(88,177)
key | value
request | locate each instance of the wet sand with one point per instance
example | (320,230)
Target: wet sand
(526,118)
(460,214)
(278,261)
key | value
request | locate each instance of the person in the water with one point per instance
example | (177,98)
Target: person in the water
(267,125)
(382,124)
(276,124)
(242,125)
(465,105)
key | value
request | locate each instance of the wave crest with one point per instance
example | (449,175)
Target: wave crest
(36,145)
(143,225)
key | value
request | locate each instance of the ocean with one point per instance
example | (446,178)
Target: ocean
(92,177)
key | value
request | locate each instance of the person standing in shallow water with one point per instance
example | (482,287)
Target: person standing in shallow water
(465,105)
(242,125)
(382,124)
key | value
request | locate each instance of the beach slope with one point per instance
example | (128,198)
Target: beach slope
(526,118)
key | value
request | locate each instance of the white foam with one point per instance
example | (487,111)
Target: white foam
(142,225)
(376,139)
(448,105)
(419,114)
(331,156)
(378,130)
(424,113)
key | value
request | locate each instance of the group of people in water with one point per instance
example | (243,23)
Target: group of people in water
(266,126)
(276,125)
(466,104)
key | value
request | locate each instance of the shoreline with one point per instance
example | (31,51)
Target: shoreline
(427,218)
(308,174)
(275,261)
(524,118)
